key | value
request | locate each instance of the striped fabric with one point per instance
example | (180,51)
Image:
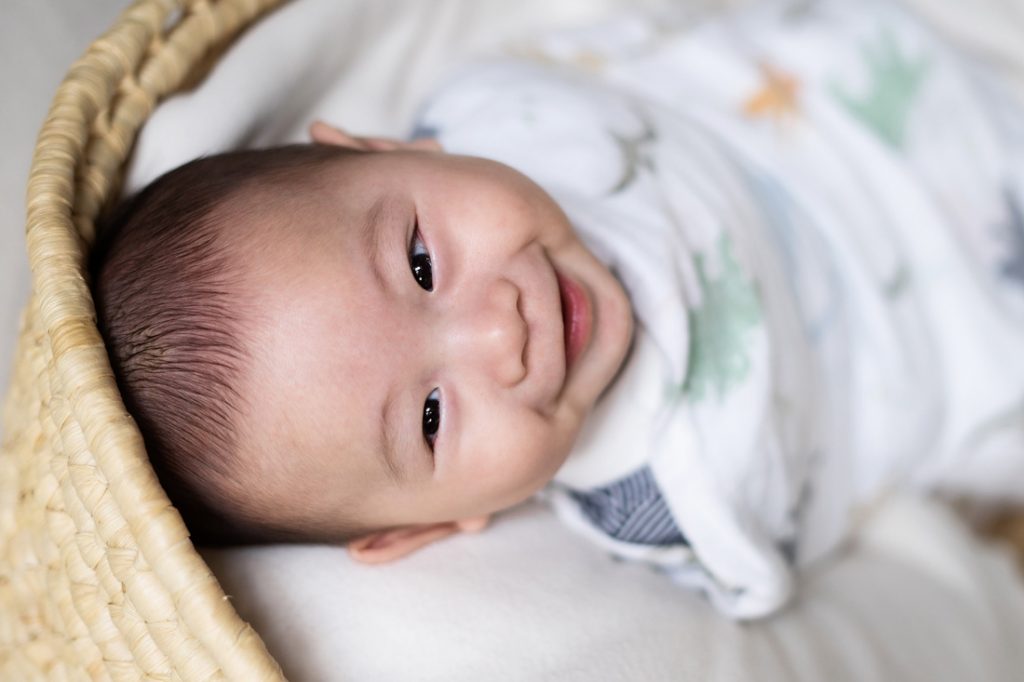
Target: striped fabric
(631,510)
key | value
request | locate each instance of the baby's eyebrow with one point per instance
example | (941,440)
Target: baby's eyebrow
(376,217)
(380,212)
(388,441)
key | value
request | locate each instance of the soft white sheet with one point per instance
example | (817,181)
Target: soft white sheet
(916,599)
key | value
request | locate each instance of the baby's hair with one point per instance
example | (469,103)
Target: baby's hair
(165,274)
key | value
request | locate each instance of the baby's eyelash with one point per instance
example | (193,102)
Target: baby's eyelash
(419,261)
(432,417)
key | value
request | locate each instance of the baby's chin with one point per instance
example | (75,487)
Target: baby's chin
(625,346)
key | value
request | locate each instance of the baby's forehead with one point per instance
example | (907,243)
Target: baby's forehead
(272,215)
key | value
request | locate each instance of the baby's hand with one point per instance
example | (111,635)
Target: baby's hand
(323,133)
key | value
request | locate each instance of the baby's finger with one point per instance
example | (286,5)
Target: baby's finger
(324,133)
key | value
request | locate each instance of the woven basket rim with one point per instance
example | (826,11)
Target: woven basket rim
(76,168)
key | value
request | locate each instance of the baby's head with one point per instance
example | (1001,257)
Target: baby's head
(359,340)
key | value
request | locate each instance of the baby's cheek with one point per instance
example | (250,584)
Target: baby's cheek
(525,457)
(554,232)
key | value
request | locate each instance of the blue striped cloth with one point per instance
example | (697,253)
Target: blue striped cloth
(631,510)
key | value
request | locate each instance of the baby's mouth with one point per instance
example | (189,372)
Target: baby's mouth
(577,317)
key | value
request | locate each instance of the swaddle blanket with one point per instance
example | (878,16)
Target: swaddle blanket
(818,212)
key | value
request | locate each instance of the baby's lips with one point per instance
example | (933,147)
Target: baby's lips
(577,317)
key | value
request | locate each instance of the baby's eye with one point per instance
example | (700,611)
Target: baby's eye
(431,417)
(419,261)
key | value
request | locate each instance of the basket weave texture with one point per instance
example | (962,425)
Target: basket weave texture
(98,577)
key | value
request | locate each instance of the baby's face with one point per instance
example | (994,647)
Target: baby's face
(413,364)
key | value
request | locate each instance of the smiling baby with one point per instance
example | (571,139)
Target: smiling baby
(392,335)
(709,290)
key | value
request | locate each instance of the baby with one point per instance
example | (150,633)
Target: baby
(708,291)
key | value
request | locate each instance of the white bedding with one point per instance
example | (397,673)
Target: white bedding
(917,598)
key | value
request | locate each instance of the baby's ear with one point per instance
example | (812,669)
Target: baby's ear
(323,133)
(384,546)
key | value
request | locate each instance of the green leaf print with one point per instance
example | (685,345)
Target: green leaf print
(720,327)
(896,79)
(636,154)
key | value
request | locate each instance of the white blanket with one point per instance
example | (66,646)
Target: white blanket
(817,213)
(916,599)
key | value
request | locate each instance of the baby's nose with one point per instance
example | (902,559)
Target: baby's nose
(493,334)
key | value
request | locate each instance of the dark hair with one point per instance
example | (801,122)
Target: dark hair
(165,282)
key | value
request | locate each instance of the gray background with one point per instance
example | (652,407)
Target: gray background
(39,39)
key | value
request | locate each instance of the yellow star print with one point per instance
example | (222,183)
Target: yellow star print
(777,97)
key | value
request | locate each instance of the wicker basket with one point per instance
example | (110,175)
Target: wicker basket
(98,577)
